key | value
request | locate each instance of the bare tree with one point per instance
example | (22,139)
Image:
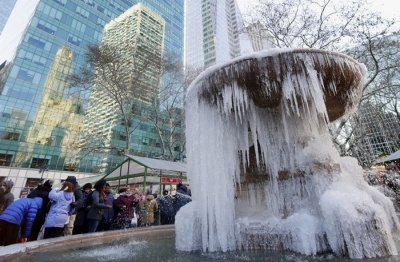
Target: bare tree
(124,81)
(118,80)
(166,113)
(348,27)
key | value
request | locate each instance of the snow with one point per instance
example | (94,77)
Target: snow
(323,205)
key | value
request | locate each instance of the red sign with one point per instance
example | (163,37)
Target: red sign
(170,180)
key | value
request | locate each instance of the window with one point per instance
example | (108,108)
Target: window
(33,58)
(5,159)
(61,2)
(74,40)
(101,22)
(32,182)
(71,167)
(82,12)
(46,27)
(26,75)
(38,42)
(122,136)
(39,162)
(9,135)
(145,141)
(78,26)
(50,11)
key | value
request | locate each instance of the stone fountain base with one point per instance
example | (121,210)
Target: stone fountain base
(13,252)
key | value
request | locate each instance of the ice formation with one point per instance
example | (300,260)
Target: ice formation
(262,167)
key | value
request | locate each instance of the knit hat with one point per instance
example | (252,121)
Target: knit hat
(71,179)
(87,185)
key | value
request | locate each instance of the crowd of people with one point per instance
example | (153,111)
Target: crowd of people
(49,212)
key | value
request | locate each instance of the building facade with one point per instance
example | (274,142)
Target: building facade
(376,133)
(41,115)
(212,32)
(6,8)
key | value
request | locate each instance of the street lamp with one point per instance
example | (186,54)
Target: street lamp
(43,168)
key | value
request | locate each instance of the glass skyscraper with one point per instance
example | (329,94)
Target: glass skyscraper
(6,7)
(41,116)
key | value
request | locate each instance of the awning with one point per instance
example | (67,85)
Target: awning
(91,179)
(147,170)
(83,181)
(394,156)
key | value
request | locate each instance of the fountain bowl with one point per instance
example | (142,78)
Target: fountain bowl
(264,76)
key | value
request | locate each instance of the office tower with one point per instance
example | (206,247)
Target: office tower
(6,8)
(259,37)
(376,133)
(212,31)
(41,115)
(137,36)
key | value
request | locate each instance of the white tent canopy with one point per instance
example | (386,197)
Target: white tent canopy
(138,168)
(394,156)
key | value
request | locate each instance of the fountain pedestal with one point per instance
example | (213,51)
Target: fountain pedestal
(267,115)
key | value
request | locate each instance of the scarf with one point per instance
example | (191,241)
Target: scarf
(103,194)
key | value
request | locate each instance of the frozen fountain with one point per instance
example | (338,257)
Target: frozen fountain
(263,171)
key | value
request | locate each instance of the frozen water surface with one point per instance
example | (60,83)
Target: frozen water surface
(163,249)
(270,177)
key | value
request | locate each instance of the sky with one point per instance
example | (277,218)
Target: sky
(388,8)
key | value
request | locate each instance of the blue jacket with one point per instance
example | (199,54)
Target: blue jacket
(22,212)
(60,209)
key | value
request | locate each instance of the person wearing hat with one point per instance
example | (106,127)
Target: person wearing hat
(78,203)
(181,197)
(8,196)
(60,210)
(43,192)
(18,217)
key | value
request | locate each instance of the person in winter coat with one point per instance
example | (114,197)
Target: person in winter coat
(108,214)
(81,223)
(181,197)
(43,192)
(98,204)
(166,208)
(60,210)
(124,208)
(148,207)
(68,229)
(8,196)
(17,217)
(2,199)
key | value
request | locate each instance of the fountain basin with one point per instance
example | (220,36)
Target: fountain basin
(263,77)
(24,251)
(139,244)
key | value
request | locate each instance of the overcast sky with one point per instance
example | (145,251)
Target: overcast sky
(388,8)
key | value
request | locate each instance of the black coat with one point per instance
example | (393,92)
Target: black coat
(41,191)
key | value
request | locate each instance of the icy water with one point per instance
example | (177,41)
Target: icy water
(163,249)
